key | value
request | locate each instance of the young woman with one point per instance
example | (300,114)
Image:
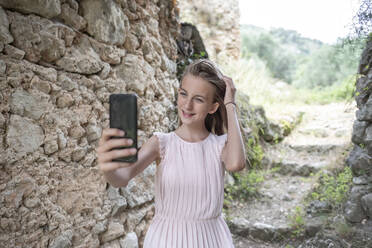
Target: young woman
(191,162)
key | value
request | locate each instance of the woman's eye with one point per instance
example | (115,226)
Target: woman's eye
(199,100)
(182,93)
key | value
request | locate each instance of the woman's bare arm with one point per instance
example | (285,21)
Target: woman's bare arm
(118,174)
(233,153)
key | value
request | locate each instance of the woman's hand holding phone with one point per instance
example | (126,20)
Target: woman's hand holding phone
(106,153)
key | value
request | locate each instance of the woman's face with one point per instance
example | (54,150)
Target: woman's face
(195,100)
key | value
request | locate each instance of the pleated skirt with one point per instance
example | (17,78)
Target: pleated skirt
(167,232)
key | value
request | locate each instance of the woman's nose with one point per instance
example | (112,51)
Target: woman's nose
(188,104)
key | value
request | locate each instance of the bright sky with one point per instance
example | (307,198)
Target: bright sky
(325,20)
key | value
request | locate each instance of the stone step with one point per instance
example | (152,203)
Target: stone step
(273,232)
(244,242)
(316,132)
(287,167)
(317,148)
(314,155)
(257,230)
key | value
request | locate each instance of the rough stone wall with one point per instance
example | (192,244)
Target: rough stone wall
(59,61)
(218,24)
(359,206)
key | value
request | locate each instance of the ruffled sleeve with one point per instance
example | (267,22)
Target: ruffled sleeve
(162,142)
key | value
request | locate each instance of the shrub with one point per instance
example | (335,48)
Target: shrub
(297,222)
(333,189)
(246,186)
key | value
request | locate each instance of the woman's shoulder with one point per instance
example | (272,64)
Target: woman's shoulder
(163,138)
(220,139)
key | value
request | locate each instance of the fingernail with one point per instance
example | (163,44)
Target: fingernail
(121,132)
(130,142)
(133,150)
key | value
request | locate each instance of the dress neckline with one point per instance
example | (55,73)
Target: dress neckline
(188,142)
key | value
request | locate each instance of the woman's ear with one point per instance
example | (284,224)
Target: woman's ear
(214,108)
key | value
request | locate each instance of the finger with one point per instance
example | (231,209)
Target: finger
(228,80)
(109,156)
(117,153)
(114,143)
(230,83)
(110,166)
(109,132)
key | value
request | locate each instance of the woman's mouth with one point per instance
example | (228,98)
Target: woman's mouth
(187,115)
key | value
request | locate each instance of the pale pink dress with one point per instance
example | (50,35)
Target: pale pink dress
(189,193)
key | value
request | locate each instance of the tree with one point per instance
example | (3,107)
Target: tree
(361,26)
(328,65)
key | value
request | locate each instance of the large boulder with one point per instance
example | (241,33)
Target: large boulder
(106,21)
(39,38)
(367,204)
(5,36)
(45,8)
(359,161)
(24,135)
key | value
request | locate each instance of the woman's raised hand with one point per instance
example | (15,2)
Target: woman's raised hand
(230,90)
(104,153)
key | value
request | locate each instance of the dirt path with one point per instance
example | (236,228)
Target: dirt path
(320,142)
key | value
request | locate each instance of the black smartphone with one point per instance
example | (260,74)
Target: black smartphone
(123,115)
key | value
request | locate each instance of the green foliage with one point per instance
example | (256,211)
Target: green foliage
(267,48)
(252,78)
(318,69)
(288,127)
(297,222)
(292,40)
(275,169)
(337,92)
(343,91)
(254,152)
(198,56)
(304,62)
(333,189)
(226,211)
(328,65)
(343,229)
(253,148)
(362,21)
(245,187)
(183,62)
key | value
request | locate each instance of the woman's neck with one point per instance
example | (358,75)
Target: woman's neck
(192,133)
